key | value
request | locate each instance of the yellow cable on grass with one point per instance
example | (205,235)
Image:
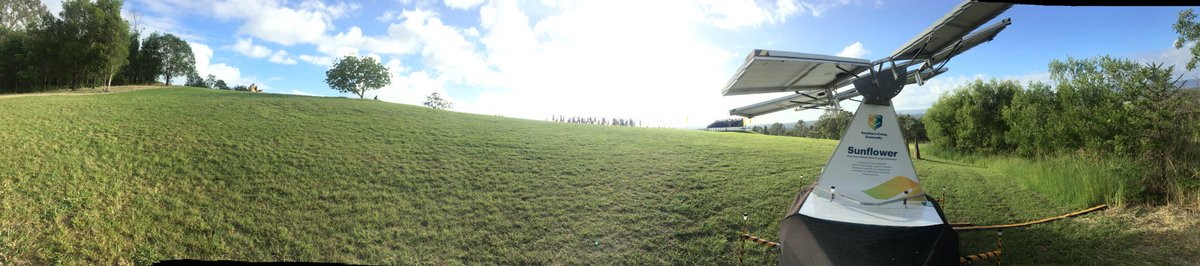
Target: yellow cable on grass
(760,241)
(1003,226)
(986,255)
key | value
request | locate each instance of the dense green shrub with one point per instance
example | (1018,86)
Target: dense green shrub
(969,120)
(1104,107)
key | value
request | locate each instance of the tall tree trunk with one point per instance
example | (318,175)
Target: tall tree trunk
(917,145)
(108,85)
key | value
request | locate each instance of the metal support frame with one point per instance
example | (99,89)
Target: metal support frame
(920,81)
(957,45)
(879,91)
(846,71)
(809,96)
(834,104)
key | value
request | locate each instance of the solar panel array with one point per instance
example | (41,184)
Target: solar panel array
(811,78)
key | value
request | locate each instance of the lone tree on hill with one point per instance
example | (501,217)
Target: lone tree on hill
(357,76)
(436,101)
(174,53)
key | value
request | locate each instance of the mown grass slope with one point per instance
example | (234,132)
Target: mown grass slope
(142,176)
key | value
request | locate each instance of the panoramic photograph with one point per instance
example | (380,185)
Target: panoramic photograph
(577,132)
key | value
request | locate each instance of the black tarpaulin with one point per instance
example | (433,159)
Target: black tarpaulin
(812,241)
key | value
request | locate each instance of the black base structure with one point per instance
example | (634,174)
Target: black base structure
(813,241)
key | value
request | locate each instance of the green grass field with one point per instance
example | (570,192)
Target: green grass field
(141,176)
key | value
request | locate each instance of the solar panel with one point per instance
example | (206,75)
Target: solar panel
(768,71)
(811,100)
(971,41)
(795,100)
(947,31)
(811,76)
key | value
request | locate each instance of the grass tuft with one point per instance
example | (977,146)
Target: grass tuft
(1079,181)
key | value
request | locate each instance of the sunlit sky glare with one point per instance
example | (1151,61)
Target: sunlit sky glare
(663,62)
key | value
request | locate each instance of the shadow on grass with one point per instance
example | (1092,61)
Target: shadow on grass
(1044,245)
(1102,240)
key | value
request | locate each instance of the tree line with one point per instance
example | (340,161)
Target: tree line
(832,125)
(211,82)
(597,121)
(88,44)
(1103,106)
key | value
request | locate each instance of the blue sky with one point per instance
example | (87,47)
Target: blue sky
(663,62)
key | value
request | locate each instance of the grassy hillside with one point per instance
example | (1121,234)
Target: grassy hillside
(141,176)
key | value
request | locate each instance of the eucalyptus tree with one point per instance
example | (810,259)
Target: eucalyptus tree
(357,75)
(177,58)
(19,15)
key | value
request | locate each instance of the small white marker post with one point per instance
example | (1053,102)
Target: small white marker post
(943,196)
(832,193)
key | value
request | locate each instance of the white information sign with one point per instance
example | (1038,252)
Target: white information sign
(870,178)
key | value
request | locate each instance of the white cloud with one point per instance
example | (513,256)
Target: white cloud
(283,25)
(1170,56)
(395,66)
(387,16)
(736,14)
(855,50)
(147,23)
(341,9)
(230,74)
(316,60)
(463,4)
(248,48)
(566,64)
(412,89)
(281,57)
(399,41)
(818,7)
(445,50)
(281,22)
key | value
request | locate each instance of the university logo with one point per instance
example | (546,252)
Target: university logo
(874,121)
